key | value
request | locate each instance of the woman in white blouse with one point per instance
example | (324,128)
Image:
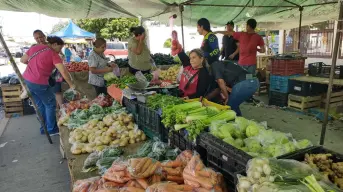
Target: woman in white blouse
(98,66)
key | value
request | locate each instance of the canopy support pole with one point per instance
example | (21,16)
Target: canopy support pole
(20,77)
(183,36)
(300,20)
(332,72)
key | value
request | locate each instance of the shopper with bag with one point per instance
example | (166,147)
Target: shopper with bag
(139,53)
(41,61)
(99,66)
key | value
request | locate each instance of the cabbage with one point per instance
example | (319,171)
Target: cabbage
(242,123)
(252,145)
(304,143)
(252,130)
(239,142)
(275,150)
(226,130)
(110,76)
(289,147)
(267,137)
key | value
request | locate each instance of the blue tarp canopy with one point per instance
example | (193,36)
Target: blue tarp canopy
(72,31)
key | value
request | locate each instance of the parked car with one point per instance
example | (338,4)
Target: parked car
(116,50)
(16,52)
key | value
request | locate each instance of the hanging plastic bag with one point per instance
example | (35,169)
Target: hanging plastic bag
(176,47)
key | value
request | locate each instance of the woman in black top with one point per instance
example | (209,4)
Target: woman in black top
(229,74)
(195,79)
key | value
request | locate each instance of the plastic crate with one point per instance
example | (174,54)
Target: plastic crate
(319,69)
(209,103)
(278,99)
(280,83)
(28,108)
(300,155)
(177,139)
(164,134)
(287,65)
(131,105)
(143,114)
(302,88)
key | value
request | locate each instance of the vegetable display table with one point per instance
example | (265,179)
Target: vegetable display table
(320,80)
(75,162)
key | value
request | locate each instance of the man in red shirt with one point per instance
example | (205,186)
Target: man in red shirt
(248,44)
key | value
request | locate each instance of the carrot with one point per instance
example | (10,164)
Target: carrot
(146,165)
(131,189)
(217,188)
(199,166)
(172,171)
(140,164)
(150,170)
(204,182)
(203,190)
(172,164)
(110,185)
(176,179)
(158,178)
(143,183)
(192,183)
(130,183)
(134,161)
(203,173)
(185,188)
(117,167)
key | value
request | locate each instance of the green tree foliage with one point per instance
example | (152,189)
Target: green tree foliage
(58,26)
(110,28)
(167,43)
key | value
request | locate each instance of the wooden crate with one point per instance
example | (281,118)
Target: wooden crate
(262,61)
(13,108)
(335,100)
(303,103)
(263,89)
(11,93)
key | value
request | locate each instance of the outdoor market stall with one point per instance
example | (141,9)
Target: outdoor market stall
(224,142)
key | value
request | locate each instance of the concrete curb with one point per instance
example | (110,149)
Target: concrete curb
(3,124)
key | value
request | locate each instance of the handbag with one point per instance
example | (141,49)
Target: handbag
(55,75)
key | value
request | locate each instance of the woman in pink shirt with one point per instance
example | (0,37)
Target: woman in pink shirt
(42,60)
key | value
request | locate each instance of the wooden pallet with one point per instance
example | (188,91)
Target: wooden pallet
(303,103)
(11,93)
(13,108)
(335,100)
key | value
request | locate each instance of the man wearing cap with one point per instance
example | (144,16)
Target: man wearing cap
(230,45)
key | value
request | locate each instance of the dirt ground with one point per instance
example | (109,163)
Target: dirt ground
(299,125)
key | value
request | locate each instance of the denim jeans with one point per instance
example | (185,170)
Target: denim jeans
(46,103)
(241,92)
(251,69)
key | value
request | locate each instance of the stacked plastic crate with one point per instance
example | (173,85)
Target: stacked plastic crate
(283,68)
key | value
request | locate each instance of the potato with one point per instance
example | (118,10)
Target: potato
(138,140)
(84,139)
(132,141)
(78,136)
(143,137)
(89,149)
(98,142)
(76,151)
(83,150)
(115,142)
(123,143)
(99,148)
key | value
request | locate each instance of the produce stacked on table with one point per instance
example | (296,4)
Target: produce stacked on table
(122,82)
(255,139)
(185,173)
(113,130)
(193,117)
(153,149)
(163,59)
(170,74)
(331,170)
(77,66)
(265,175)
(159,101)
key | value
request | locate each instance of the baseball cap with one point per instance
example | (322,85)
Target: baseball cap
(230,23)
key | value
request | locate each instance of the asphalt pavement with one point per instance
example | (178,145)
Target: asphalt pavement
(28,163)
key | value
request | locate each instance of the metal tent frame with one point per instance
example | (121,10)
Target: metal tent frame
(194,3)
(291,6)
